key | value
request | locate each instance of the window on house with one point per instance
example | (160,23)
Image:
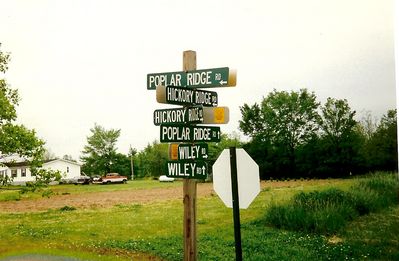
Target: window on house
(14,173)
(67,169)
(23,172)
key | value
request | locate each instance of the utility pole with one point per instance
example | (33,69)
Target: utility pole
(131,161)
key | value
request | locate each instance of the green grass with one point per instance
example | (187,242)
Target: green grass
(147,230)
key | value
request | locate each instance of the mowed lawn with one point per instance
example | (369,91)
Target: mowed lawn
(153,230)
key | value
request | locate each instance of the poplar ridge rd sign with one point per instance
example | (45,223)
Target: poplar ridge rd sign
(185,115)
(187,169)
(183,133)
(216,77)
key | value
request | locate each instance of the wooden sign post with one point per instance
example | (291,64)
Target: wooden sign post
(190,188)
(188,161)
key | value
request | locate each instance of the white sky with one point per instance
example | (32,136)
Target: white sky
(76,63)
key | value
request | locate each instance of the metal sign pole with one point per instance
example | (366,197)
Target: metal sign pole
(236,204)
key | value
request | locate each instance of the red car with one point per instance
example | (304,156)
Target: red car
(112,178)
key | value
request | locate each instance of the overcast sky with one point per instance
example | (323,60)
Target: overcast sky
(76,63)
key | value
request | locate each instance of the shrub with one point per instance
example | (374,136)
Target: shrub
(386,186)
(329,210)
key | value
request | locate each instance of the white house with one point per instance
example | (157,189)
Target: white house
(20,172)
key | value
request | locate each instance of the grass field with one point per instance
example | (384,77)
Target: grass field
(129,230)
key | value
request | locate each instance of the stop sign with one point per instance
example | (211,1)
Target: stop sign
(247,178)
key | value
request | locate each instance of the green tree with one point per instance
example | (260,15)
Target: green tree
(14,138)
(99,155)
(381,149)
(340,143)
(151,162)
(284,120)
(226,141)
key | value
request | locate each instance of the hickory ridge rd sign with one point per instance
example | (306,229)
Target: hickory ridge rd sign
(185,96)
(192,114)
(216,77)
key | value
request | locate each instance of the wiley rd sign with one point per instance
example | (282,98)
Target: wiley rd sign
(184,151)
(185,96)
(187,169)
(216,77)
(192,115)
(182,133)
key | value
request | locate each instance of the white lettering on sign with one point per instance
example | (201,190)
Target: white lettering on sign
(169,116)
(202,134)
(195,114)
(186,170)
(156,80)
(175,80)
(165,80)
(179,95)
(176,169)
(175,133)
(199,78)
(189,152)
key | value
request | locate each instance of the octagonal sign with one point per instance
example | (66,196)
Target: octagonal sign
(247,178)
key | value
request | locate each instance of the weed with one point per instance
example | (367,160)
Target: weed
(67,208)
(47,193)
(129,207)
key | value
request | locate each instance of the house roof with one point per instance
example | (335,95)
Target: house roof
(16,164)
(67,161)
(47,162)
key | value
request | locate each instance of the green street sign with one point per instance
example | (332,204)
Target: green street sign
(215,77)
(197,151)
(187,169)
(186,115)
(185,96)
(183,133)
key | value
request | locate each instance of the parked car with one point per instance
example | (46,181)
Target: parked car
(82,179)
(164,178)
(112,178)
(96,179)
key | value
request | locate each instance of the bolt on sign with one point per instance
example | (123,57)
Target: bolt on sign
(216,77)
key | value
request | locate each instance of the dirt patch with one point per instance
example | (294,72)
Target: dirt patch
(102,199)
(109,199)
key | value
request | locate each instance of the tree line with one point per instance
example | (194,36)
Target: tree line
(291,136)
